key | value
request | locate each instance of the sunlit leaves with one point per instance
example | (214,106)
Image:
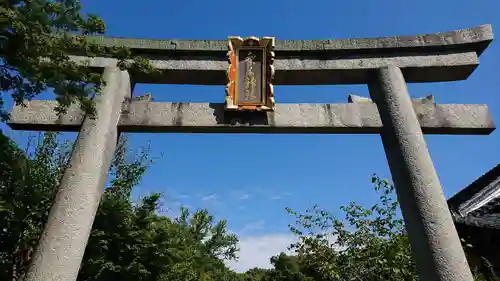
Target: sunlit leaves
(129,240)
(366,244)
(27,188)
(36,37)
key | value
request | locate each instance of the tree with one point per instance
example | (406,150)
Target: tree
(257,274)
(27,188)
(129,240)
(368,244)
(36,37)
(134,243)
(288,268)
(372,246)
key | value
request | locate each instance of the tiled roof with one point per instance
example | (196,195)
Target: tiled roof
(487,215)
(473,188)
(492,207)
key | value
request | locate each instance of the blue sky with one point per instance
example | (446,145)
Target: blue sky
(301,170)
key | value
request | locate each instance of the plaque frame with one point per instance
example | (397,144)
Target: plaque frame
(236,45)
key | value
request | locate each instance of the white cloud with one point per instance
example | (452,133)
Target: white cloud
(255,251)
(210,198)
(240,194)
(244,196)
(182,196)
(254,225)
(273,195)
(178,205)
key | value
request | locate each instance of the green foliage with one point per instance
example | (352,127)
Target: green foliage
(257,274)
(129,241)
(367,244)
(134,243)
(36,37)
(27,188)
(288,268)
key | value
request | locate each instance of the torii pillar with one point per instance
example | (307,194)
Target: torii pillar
(434,240)
(61,247)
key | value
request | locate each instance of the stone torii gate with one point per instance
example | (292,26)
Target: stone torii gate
(384,64)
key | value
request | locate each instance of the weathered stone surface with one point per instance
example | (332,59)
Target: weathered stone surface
(307,71)
(435,244)
(474,39)
(61,247)
(144,116)
(358,99)
(446,56)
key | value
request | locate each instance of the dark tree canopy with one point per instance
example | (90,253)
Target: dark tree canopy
(129,240)
(36,37)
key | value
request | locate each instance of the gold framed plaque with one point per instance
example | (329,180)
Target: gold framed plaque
(250,74)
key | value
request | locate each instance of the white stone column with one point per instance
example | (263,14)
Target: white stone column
(60,250)
(435,244)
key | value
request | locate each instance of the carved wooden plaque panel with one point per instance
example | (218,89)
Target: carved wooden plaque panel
(250,74)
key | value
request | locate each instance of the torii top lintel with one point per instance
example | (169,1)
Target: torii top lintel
(445,56)
(474,39)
